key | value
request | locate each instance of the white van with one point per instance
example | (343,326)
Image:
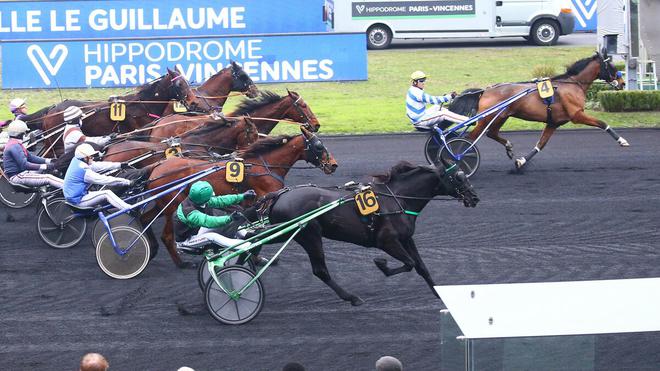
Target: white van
(540,21)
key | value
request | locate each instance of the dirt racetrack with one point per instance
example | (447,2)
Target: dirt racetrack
(584,209)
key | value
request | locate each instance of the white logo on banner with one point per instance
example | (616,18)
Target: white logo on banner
(42,62)
(584,13)
(359,8)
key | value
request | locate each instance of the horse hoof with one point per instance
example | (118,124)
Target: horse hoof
(381,263)
(623,143)
(356,301)
(520,163)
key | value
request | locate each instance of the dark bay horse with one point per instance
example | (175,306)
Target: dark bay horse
(402,194)
(569,100)
(142,107)
(213,93)
(267,163)
(266,110)
(218,134)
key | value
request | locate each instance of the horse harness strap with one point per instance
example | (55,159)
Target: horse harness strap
(268,172)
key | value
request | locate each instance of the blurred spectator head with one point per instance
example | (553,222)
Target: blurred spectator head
(293,366)
(93,362)
(387,363)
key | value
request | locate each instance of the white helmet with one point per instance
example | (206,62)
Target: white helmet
(16,103)
(17,128)
(85,150)
(72,113)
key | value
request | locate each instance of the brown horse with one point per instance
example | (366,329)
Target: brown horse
(569,100)
(266,111)
(142,107)
(218,134)
(213,93)
(269,160)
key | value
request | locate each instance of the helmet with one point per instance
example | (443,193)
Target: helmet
(17,128)
(85,150)
(16,103)
(200,192)
(417,75)
(72,113)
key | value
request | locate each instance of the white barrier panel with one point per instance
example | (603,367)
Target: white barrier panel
(554,308)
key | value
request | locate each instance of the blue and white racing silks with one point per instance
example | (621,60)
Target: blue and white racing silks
(416,101)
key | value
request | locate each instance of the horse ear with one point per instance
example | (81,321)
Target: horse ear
(603,52)
(289,92)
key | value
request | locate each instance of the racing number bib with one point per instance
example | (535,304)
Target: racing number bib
(234,172)
(366,202)
(545,88)
(172,152)
(179,107)
(118,111)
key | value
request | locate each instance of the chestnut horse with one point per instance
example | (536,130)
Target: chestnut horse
(213,93)
(268,162)
(216,133)
(142,107)
(567,105)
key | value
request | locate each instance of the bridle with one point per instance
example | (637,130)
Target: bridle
(303,115)
(315,152)
(178,92)
(609,74)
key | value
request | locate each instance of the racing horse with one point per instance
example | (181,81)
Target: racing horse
(401,195)
(213,93)
(141,107)
(265,111)
(267,163)
(569,100)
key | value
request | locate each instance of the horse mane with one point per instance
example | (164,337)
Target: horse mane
(149,89)
(576,67)
(248,105)
(209,126)
(399,170)
(265,145)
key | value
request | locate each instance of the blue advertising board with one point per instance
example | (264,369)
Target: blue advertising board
(58,20)
(585,15)
(109,63)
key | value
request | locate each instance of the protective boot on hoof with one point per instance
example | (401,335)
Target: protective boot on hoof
(509,150)
(520,163)
(356,301)
(622,142)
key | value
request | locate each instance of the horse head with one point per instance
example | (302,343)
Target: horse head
(300,111)
(453,182)
(608,71)
(240,81)
(181,91)
(316,153)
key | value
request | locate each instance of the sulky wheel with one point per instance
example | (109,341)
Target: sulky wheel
(99,228)
(431,147)
(132,262)
(11,198)
(203,274)
(227,306)
(57,225)
(467,161)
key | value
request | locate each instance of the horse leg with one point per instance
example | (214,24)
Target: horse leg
(310,240)
(545,136)
(395,249)
(420,267)
(145,219)
(582,118)
(166,237)
(494,133)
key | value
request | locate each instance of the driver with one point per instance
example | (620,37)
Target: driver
(193,224)
(18,107)
(74,135)
(416,101)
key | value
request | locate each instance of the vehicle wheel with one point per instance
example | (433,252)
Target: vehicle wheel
(132,262)
(378,37)
(16,200)
(58,227)
(545,32)
(99,229)
(468,162)
(240,309)
(204,276)
(431,147)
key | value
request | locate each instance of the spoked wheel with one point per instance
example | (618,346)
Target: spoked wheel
(432,148)
(226,305)
(124,219)
(468,162)
(58,227)
(204,276)
(16,200)
(132,262)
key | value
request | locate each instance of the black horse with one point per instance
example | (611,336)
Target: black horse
(401,195)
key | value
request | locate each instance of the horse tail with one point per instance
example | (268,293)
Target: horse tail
(467,103)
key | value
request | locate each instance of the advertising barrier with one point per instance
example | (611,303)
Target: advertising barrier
(111,63)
